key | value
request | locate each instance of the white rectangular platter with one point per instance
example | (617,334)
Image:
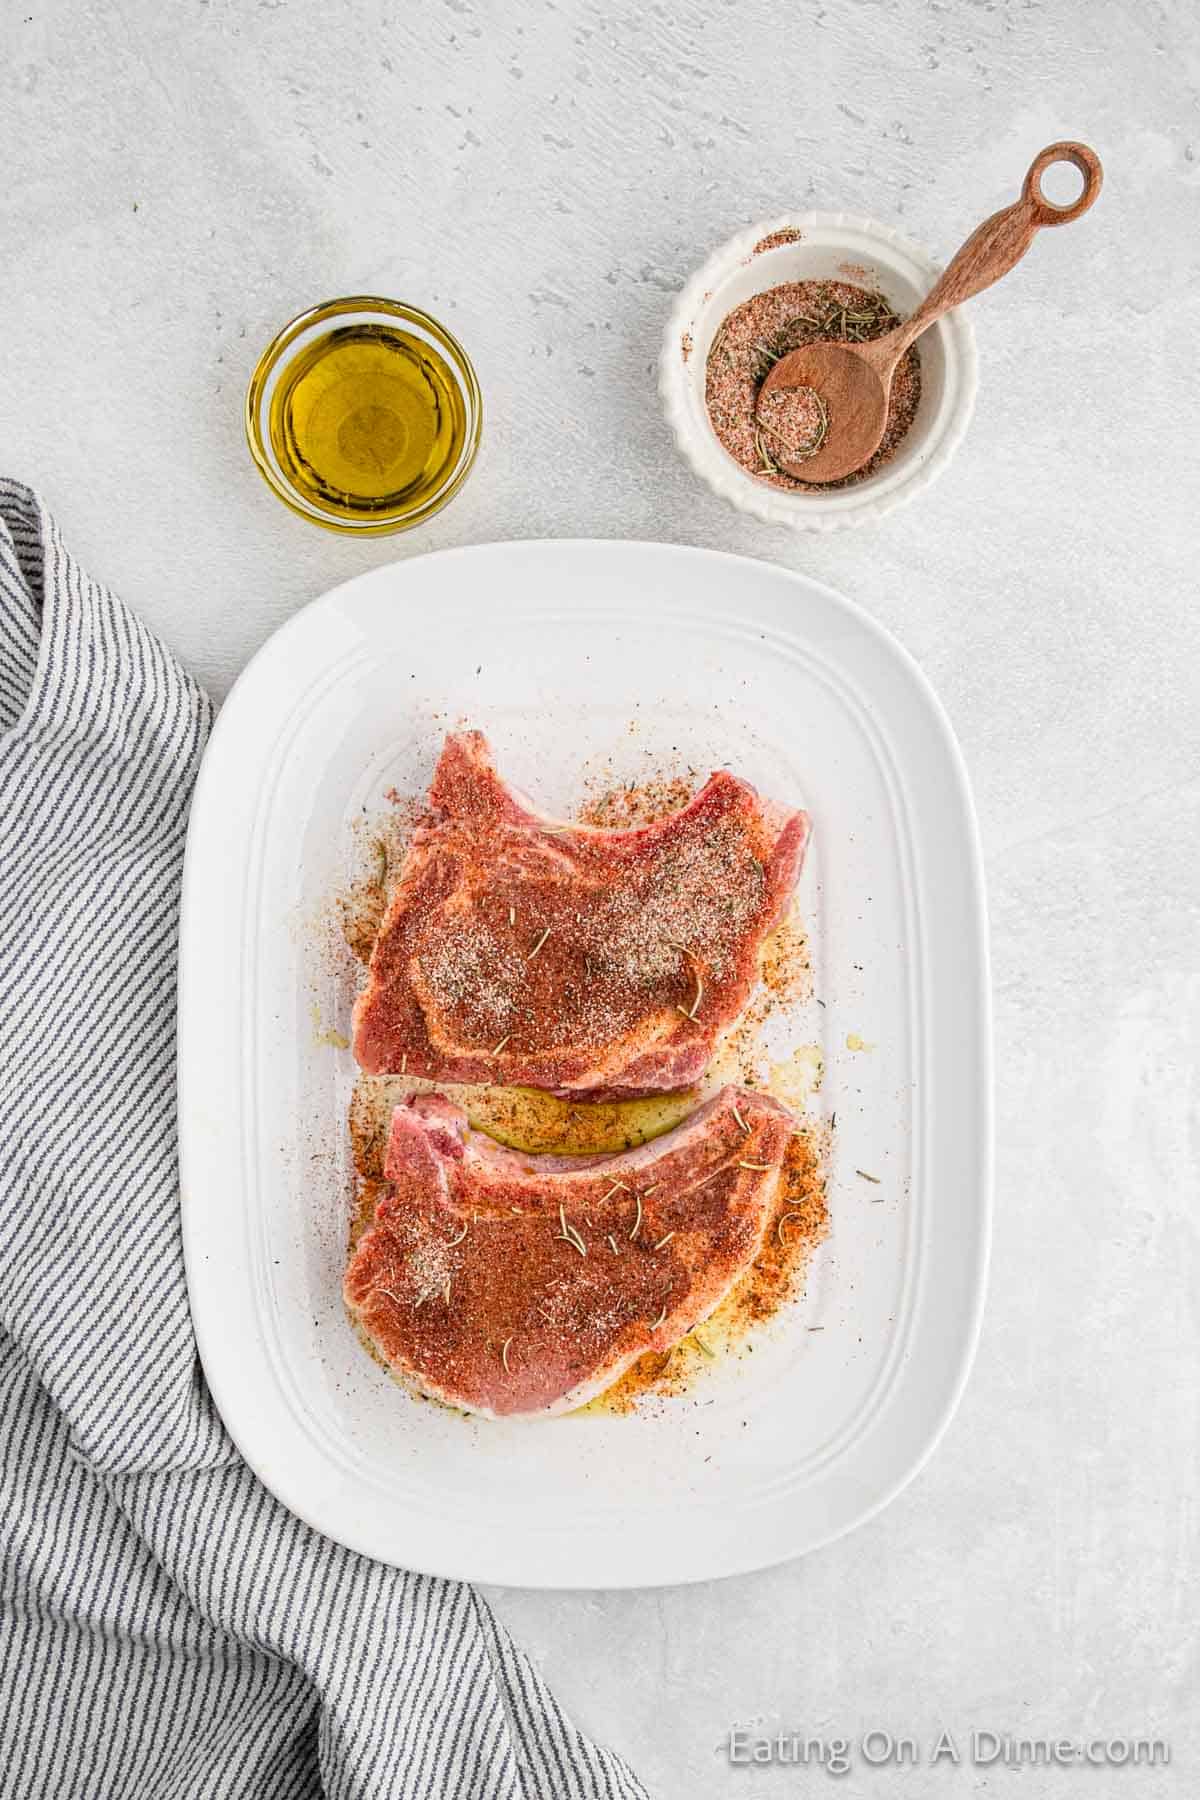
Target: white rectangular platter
(574,655)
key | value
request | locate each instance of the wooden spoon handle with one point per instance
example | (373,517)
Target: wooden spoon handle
(1000,242)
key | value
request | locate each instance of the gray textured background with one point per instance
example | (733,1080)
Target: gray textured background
(178,179)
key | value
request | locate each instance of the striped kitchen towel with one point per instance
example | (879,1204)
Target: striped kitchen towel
(167,1629)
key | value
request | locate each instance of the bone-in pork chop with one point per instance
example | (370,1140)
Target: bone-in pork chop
(519,951)
(505,1284)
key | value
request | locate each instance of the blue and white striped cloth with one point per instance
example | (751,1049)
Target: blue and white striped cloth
(167,1630)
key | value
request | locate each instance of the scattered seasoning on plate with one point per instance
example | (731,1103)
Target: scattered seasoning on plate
(754,336)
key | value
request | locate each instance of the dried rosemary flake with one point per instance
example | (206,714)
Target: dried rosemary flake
(750,1165)
(863,1176)
(800,452)
(538,945)
(737,1115)
(780,1233)
(689,1012)
(569,1233)
(703,1344)
(458,1240)
(770,466)
(497,1048)
(403,1061)
(512,915)
(616,1186)
(637,1223)
(381,853)
(651,1188)
(446,1294)
(615,1247)
(661,1317)
(664,1240)
(504,1353)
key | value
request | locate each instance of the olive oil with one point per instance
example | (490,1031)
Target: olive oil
(367,420)
(531,1120)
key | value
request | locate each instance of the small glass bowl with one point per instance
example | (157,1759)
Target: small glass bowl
(295,337)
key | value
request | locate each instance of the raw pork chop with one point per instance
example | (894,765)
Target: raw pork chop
(523,952)
(506,1284)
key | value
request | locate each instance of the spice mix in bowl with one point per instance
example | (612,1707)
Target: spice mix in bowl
(768,291)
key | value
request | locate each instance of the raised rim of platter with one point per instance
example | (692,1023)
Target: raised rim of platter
(224,1358)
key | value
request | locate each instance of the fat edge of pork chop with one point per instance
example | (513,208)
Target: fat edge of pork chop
(521,951)
(506,1284)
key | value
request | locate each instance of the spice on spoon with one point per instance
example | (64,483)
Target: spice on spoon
(796,419)
(753,338)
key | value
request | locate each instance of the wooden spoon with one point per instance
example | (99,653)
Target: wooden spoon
(851,383)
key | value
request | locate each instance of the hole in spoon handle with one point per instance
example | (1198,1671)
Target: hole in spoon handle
(1000,242)
(1088,164)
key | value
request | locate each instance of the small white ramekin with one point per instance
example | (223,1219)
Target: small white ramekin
(830,247)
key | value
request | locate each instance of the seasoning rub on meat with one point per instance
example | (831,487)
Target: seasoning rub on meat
(523,951)
(509,1284)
